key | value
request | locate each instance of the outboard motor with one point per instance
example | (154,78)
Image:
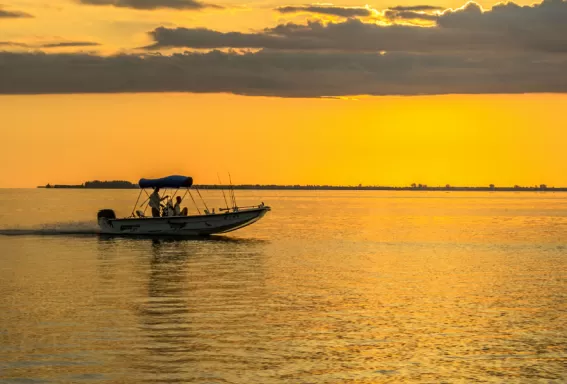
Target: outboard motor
(106,214)
(103,217)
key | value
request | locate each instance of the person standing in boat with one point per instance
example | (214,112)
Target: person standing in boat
(155,201)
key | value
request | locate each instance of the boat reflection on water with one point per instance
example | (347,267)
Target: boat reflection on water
(193,300)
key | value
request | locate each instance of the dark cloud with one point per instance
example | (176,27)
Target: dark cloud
(506,16)
(70,44)
(12,44)
(506,27)
(207,38)
(409,15)
(508,49)
(328,10)
(351,35)
(413,13)
(540,26)
(153,4)
(64,44)
(284,74)
(418,8)
(13,14)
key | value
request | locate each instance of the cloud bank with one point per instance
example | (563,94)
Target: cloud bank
(153,4)
(417,8)
(328,10)
(396,15)
(68,44)
(283,74)
(507,49)
(64,44)
(506,27)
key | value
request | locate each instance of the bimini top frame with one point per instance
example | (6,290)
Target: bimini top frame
(178,182)
(174,181)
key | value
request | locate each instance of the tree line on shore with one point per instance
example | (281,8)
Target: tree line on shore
(123,184)
(113,184)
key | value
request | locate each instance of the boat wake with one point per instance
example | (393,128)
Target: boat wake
(90,229)
(64,229)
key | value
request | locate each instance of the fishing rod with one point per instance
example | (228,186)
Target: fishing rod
(223,195)
(232,191)
(203,200)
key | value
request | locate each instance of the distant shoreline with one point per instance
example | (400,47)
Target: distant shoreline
(128,185)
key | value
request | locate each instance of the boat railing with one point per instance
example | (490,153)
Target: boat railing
(236,209)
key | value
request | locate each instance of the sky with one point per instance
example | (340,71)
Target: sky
(389,93)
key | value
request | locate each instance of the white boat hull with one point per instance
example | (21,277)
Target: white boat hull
(198,225)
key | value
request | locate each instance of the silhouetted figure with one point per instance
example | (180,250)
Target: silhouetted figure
(177,208)
(155,201)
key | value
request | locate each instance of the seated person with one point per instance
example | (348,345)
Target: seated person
(177,208)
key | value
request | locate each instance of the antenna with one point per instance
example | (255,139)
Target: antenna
(222,189)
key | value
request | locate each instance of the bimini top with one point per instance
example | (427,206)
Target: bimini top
(175,181)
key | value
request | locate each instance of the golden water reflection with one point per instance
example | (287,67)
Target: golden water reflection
(450,298)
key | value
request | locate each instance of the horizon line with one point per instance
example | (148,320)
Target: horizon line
(124,184)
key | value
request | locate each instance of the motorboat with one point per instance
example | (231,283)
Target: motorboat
(167,223)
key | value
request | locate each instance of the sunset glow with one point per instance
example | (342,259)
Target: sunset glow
(435,140)
(284,93)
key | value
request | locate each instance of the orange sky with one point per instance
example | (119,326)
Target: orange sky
(435,140)
(372,140)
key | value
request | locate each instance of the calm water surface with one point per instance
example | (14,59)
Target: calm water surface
(329,287)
